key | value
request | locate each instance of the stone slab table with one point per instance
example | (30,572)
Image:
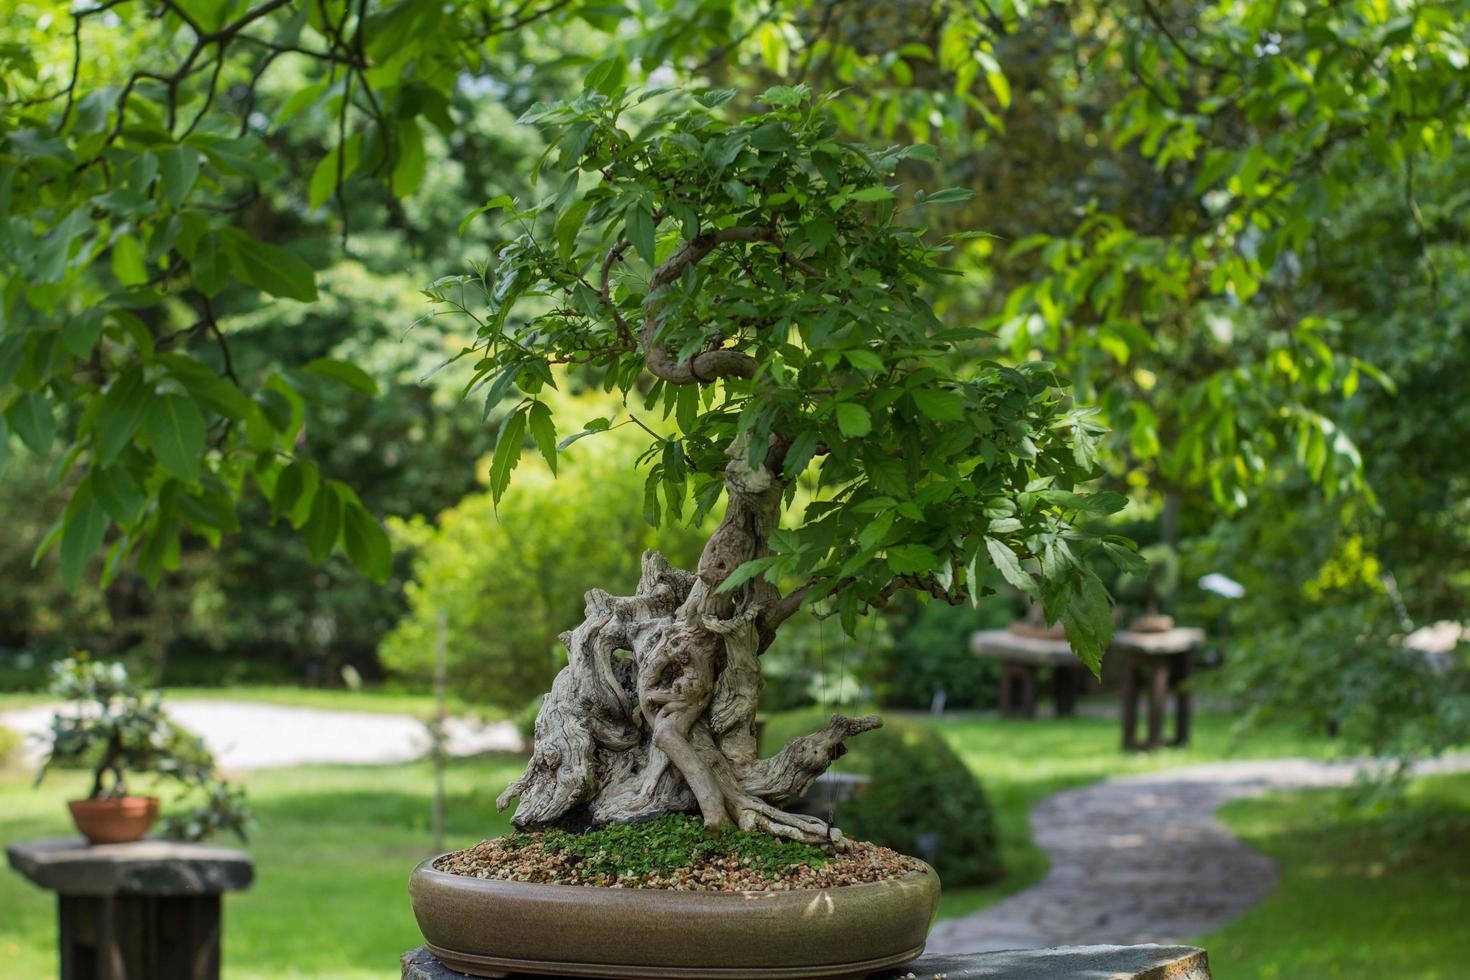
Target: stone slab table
(139,911)
(1165,659)
(1057,963)
(1021,659)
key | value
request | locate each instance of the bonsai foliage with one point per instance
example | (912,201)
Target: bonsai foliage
(760,282)
(114,728)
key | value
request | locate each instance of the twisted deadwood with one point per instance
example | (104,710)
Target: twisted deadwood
(655,710)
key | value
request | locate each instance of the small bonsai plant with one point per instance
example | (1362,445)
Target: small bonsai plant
(116,729)
(761,283)
(1150,592)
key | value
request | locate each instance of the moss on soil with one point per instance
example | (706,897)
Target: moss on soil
(667,844)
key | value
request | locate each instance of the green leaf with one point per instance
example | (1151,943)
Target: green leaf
(270,267)
(1010,567)
(295,490)
(121,413)
(367,543)
(176,434)
(713,98)
(408,168)
(81,332)
(853,420)
(324,522)
(568,225)
(501,201)
(939,404)
(345,373)
(745,573)
(872,194)
(86,525)
(950,195)
(640,230)
(1101,503)
(819,232)
(210,263)
(324,177)
(32,420)
(784,96)
(507,452)
(975,570)
(543,431)
(178,169)
(1126,559)
(209,513)
(118,493)
(1088,620)
(605,76)
(127,261)
(864,359)
(911,559)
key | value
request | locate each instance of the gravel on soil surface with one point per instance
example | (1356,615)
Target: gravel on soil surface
(524,858)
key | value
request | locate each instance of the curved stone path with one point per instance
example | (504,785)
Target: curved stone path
(255,735)
(1142,859)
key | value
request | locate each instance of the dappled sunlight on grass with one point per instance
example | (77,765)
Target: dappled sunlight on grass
(1359,896)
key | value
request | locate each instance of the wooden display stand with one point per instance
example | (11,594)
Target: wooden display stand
(149,910)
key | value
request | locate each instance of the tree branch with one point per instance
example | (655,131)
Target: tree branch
(709,365)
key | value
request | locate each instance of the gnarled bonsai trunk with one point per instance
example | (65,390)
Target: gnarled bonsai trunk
(655,710)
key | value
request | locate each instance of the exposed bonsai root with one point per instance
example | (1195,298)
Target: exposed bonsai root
(655,710)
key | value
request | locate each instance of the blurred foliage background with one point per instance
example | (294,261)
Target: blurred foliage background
(1239,228)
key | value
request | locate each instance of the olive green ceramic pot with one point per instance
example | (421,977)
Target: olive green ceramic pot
(494,928)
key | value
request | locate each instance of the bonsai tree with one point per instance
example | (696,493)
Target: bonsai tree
(760,282)
(1151,591)
(117,729)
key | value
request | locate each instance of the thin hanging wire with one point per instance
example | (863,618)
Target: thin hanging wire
(822,664)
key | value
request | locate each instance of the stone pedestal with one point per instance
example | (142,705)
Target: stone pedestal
(1057,963)
(150,909)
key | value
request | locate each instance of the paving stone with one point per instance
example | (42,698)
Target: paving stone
(251,735)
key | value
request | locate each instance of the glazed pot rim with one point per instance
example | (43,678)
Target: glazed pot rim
(426,868)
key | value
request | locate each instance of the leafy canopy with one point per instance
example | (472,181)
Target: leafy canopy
(762,271)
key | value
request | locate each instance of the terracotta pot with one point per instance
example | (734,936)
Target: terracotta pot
(114,821)
(1151,623)
(493,928)
(1038,631)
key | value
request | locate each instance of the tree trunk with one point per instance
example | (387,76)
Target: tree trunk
(655,711)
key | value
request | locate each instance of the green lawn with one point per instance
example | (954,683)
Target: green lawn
(333,850)
(335,844)
(1359,897)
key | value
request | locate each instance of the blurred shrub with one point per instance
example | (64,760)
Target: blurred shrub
(510,579)
(922,801)
(10,746)
(930,652)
